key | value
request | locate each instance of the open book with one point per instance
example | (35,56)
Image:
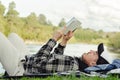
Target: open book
(72,25)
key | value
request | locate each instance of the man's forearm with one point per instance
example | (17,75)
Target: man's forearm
(47,48)
(59,49)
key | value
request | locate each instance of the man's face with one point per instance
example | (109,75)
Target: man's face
(90,58)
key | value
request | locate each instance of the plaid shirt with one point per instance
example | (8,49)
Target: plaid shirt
(45,62)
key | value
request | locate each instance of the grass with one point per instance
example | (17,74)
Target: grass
(83,77)
(73,78)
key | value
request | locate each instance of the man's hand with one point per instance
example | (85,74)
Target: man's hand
(57,35)
(66,38)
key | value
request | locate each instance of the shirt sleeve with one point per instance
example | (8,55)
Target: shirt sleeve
(59,49)
(47,48)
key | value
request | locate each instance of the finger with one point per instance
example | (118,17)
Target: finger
(63,29)
(68,33)
(71,34)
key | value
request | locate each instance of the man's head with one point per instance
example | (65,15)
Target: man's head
(90,58)
(93,58)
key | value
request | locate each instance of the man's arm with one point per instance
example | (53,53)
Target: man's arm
(61,46)
(59,49)
(47,48)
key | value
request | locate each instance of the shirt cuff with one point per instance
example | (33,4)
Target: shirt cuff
(60,46)
(51,42)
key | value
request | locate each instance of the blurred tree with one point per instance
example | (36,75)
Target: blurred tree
(13,19)
(49,23)
(2,20)
(31,26)
(11,11)
(86,35)
(62,23)
(114,41)
(2,24)
(2,9)
(42,19)
(32,21)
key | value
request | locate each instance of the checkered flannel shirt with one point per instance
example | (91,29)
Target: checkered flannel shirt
(46,62)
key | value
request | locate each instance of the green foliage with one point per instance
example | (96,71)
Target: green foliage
(2,9)
(31,21)
(82,77)
(11,11)
(38,28)
(2,24)
(42,19)
(86,35)
(42,33)
(13,21)
(114,41)
(49,23)
(2,20)
(62,23)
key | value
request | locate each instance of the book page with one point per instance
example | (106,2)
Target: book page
(72,25)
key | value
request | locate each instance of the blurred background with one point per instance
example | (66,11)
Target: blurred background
(36,20)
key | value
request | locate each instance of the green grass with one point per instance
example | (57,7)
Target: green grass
(73,78)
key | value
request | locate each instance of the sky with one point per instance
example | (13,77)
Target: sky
(94,14)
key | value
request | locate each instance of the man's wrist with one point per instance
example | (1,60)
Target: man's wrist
(61,46)
(63,43)
(54,39)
